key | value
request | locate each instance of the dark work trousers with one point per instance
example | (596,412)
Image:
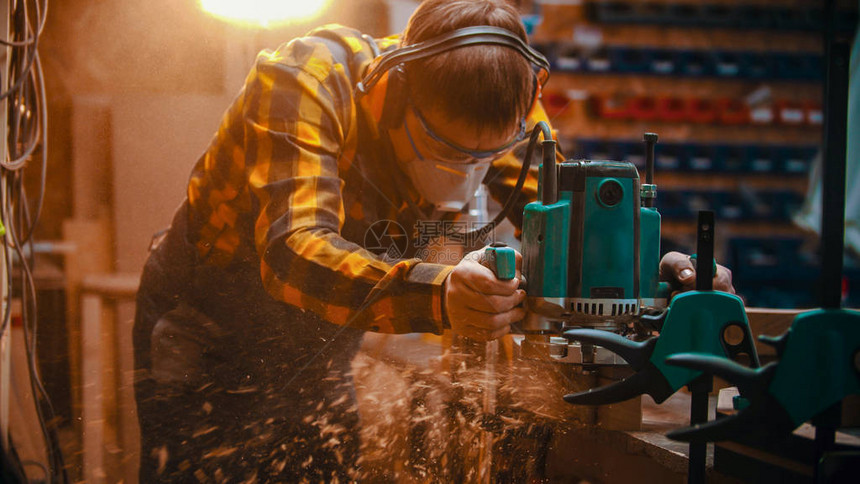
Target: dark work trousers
(232,385)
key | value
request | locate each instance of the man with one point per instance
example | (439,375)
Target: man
(252,305)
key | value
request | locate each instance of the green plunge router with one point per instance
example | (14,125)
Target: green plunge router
(591,254)
(591,247)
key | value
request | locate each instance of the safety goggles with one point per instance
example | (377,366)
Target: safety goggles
(447,151)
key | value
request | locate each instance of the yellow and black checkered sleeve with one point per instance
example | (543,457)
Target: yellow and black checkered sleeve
(286,139)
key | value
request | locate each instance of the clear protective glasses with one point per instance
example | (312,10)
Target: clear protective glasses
(450,152)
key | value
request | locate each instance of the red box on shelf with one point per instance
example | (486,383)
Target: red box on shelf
(643,108)
(671,108)
(700,110)
(611,106)
(732,111)
(554,102)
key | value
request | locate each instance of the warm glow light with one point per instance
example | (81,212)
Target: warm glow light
(264,12)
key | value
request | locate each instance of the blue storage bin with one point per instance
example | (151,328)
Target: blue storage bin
(784,257)
(765,207)
(786,18)
(567,59)
(801,264)
(718,15)
(727,64)
(701,157)
(597,61)
(808,152)
(762,159)
(729,206)
(795,66)
(630,61)
(733,158)
(813,19)
(600,150)
(794,160)
(814,67)
(617,150)
(584,148)
(673,204)
(696,63)
(684,14)
(651,13)
(664,62)
(615,12)
(754,17)
(634,152)
(669,157)
(758,206)
(778,206)
(755,258)
(788,204)
(698,200)
(756,65)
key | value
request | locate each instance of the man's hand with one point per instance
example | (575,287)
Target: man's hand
(680,272)
(478,305)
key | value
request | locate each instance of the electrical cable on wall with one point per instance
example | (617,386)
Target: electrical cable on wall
(26,140)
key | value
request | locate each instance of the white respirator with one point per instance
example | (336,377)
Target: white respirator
(448,186)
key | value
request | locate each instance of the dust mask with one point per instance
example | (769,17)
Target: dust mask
(448,186)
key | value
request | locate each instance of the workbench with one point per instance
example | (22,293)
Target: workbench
(647,455)
(595,454)
(621,443)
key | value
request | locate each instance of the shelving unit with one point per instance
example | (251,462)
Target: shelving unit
(733,88)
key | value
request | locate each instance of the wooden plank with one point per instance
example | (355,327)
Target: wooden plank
(92,392)
(770,322)
(119,285)
(127,424)
(112,425)
(91,252)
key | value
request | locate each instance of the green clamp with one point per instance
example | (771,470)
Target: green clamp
(818,366)
(696,323)
(502,260)
(819,362)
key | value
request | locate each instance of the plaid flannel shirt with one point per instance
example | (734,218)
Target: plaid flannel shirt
(294,178)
